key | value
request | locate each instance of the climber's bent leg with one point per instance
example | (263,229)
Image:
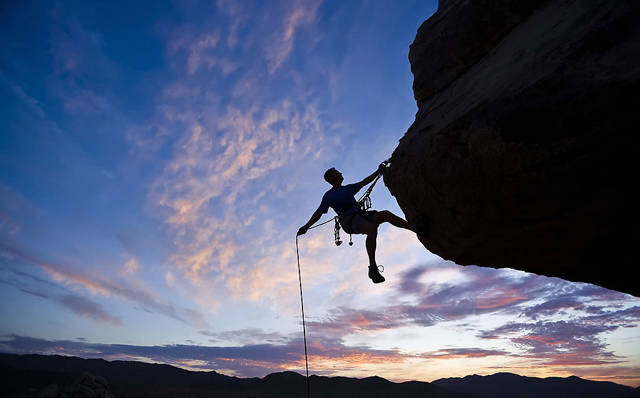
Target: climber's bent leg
(387,216)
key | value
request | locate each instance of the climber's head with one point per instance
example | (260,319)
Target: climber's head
(333,177)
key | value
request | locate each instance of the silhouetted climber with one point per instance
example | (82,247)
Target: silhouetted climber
(354,220)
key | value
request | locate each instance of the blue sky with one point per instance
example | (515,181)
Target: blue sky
(156,160)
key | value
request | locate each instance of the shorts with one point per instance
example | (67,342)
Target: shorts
(359,223)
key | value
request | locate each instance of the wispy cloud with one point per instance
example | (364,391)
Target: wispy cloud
(559,343)
(464,353)
(251,360)
(130,266)
(216,163)
(281,43)
(77,304)
(101,286)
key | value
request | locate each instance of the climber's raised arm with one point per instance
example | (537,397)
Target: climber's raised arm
(370,178)
(314,218)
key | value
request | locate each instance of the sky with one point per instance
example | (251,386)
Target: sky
(157,159)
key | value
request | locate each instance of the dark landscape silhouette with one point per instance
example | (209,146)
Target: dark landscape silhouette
(27,375)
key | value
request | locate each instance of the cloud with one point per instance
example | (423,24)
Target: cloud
(281,43)
(483,291)
(205,190)
(80,65)
(199,51)
(77,304)
(578,340)
(30,102)
(345,321)
(464,353)
(328,355)
(87,308)
(245,336)
(102,286)
(131,266)
(238,18)
(569,343)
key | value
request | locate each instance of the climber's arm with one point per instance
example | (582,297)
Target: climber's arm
(314,218)
(370,178)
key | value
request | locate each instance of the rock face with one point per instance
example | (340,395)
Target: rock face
(522,154)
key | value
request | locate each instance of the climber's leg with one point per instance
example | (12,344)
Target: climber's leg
(365,223)
(387,216)
(374,274)
(371,246)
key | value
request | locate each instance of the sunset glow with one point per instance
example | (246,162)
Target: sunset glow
(158,158)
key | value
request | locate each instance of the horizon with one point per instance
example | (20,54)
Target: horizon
(298,373)
(158,158)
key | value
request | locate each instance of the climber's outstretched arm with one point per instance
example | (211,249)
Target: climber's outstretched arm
(370,178)
(314,218)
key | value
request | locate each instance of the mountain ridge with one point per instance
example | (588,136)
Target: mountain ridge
(19,373)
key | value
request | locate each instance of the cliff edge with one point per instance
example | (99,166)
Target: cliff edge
(522,152)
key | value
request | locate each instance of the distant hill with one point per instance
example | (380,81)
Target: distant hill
(511,385)
(128,379)
(18,373)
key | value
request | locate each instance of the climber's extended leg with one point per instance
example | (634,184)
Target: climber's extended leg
(387,216)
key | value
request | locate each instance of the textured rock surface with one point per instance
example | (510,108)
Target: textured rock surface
(522,153)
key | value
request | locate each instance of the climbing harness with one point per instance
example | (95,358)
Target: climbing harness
(364,204)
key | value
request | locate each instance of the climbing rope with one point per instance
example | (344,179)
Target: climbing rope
(304,328)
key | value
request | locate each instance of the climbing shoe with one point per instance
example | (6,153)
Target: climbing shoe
(374,274)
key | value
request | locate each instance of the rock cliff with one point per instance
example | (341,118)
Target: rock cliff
(522,154)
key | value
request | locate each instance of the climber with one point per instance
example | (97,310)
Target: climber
(354,220)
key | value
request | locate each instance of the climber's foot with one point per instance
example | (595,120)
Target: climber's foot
(374,274)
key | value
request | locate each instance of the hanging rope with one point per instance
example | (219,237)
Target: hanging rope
(304,328)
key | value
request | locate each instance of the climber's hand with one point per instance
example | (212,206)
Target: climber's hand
(302,230)
(381,168)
